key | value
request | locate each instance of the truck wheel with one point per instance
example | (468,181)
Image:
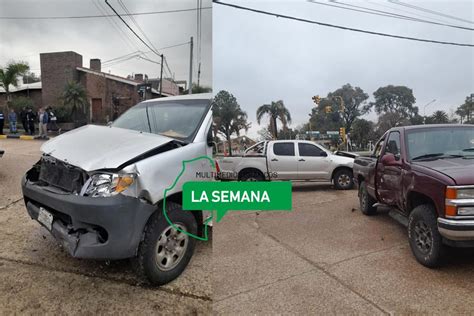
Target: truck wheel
(343,179)
(366,201)
(425,240)
(165,252)
(252,176)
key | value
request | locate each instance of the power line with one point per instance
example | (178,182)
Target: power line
(133,31)
(93,16)
(338,26)
(429,11)
(384,13)
(405,11)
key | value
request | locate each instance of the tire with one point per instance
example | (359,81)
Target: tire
(252,176)
(366,201)
(425,240)
(154,261)
(343,179)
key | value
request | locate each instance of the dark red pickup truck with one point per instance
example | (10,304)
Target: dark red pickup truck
(426,174)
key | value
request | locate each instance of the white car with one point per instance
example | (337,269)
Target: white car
(289,160)
(99,189)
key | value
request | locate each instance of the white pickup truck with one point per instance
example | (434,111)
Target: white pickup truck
(289,160)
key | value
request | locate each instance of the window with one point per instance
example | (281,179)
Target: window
(378,148)
(284,149)
(175,119)
(393,144)
(309,150)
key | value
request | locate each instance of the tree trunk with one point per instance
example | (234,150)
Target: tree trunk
(229,143)
(275,128)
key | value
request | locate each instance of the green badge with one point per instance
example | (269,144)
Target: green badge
(237,196)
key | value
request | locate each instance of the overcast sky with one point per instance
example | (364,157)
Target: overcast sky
(261,59)
(101,38)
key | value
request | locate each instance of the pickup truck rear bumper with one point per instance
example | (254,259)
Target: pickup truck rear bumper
(456,230)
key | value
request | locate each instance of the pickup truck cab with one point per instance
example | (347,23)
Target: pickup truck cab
(426,175)
(290,160)
(99,189)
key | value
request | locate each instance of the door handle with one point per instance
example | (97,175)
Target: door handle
(301,159)
(274,159)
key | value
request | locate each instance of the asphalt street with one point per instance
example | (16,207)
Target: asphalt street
(37,276)
(326,257)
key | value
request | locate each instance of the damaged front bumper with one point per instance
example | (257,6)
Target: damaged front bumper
(87,227)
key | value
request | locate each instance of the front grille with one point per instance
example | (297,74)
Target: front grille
(61,175)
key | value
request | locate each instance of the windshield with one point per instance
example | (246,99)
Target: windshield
(440,143)
(175,119)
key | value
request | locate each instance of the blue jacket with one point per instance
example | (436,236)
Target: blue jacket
(12,117)
(45,117)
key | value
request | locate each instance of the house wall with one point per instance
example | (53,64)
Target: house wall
(56,70)
(115,97)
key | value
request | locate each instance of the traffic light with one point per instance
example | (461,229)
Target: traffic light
(328,109)
(342,133)
(316,99)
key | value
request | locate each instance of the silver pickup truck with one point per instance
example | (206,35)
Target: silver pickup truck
(289,160)
(99,190)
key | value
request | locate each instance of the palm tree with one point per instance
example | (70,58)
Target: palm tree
(228,117)
(439,117)
(276,111)
(75,96)
(9,76)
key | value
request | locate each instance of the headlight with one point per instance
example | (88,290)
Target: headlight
(107,184)
(459,201)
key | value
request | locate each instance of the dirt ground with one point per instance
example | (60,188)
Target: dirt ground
(37,276)
(324,257)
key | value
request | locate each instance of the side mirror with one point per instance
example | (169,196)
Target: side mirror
(390,160)
(210,141)
(323,154)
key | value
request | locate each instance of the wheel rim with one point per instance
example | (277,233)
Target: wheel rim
(423,237)
(171,247)
(344,180)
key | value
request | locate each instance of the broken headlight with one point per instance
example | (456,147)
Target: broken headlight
(107,184)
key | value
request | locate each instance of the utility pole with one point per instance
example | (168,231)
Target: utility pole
(199,73)
(161,76)
(190,88)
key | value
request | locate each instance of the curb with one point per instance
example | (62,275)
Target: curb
(22,137)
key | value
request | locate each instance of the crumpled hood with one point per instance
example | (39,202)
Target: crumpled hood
(460,170)
(93,147)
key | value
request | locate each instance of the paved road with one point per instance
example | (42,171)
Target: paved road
(36,276)
(327,257)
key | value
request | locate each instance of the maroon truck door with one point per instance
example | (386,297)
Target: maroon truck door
(389,174)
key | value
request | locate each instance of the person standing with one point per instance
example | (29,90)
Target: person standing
(43,123)
(52,126)
(12,121)
(2,121)
(23,119)
(30,119)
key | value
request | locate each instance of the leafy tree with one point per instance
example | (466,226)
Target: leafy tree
(75,97)
(18,103)
(397,101)
(265,134)
(439,117)
(30,78)
(229,118)
(9,76)
(466,110)
(354,99)
(323,121)
(388,120)
(276,111)
(362,132)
